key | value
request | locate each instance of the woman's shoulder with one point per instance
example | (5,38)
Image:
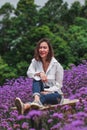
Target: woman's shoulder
(56,62)
(54,59)
(34,60)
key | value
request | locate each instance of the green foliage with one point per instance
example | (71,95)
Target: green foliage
(26,9)
(62,51)
(6,10)
(68,16)
(22,67)
(78,42)
(41,32)
(84,10)
(79,21)
(52,12)
(6,72)
(5,25)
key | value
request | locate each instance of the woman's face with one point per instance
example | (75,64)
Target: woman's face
(43,50)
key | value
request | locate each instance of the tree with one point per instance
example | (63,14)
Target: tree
(6,72)
(73,12)
(62,51)
(26,9)
(52,12)
(79,21)
(17,40)
(6,12)
(77,40)
(84,10)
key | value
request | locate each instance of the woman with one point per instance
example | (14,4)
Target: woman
(47,74)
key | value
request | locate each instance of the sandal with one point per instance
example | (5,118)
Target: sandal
(36,105)
(20,105)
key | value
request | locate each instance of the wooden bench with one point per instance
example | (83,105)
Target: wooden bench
(65,102)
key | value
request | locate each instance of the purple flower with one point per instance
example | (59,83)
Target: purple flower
(50,120)
(25,125)
(77,123)
(58,115)
(10,128)
(34,113)
(16,126)
(56,126)
(21,117)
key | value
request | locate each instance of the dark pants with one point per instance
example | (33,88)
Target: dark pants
(50,98)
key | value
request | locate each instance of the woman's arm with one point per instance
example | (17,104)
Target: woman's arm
(31,70)
(35,72)
(59,75)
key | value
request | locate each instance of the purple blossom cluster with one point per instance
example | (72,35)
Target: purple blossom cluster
(60,118)
(75,81)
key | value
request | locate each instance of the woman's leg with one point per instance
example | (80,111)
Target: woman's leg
(37,88)
(51,98)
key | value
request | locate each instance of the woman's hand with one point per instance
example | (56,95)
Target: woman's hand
(43,76)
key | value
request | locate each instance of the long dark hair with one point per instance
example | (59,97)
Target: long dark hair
(50,54)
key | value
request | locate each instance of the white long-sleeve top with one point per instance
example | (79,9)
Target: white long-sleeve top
(54,74)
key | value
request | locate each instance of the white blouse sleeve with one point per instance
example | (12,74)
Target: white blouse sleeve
(59,76)
(32,70)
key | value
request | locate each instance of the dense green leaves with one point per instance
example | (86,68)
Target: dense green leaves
(52,12)
(6,72)
(78,42)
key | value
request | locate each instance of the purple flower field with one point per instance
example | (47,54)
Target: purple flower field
(61,118)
